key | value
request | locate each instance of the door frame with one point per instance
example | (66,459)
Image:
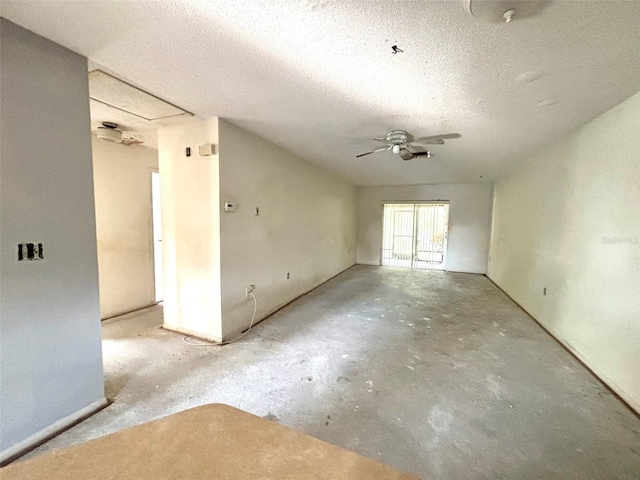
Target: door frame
(445,243)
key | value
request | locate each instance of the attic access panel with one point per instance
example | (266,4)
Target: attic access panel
(114,92)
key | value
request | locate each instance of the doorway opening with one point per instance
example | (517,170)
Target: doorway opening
(156,217)
(414,235)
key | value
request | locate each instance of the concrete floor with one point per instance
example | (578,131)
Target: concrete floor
(438,374)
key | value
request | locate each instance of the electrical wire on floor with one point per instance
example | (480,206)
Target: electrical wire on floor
(253,317)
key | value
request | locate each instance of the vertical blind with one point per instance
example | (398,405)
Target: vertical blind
(414,235)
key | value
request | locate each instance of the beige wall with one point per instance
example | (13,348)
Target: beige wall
(306,226)
(190,229)
(122,182)
(569,220)
(469,221)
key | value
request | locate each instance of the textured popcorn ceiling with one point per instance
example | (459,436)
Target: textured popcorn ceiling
(318,77)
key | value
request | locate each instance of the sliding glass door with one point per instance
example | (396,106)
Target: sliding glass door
(414,235)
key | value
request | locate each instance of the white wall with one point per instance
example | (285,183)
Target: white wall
(306,226)
(469,221)
(569,220)
(190,197)
(50,350)
(122,182)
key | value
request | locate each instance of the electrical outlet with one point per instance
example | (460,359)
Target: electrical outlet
(249,290)
(287,275)
(30,251)
(544,291)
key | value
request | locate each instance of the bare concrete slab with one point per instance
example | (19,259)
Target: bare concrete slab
(437,374)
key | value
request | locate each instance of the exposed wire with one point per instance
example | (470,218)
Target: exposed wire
(253,317)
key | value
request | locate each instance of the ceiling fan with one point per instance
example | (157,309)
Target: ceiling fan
(402,143)
(109,131)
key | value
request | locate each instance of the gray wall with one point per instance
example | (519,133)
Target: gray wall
(50,350)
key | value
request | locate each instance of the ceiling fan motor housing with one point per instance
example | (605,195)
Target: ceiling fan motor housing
(398,136)
(109,134)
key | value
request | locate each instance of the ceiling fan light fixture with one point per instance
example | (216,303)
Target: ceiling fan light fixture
(503,11)
(395,149)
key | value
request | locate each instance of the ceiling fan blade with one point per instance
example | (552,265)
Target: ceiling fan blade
(436,138)
(383,140)
(429,142)
(413,148)
(377,150)
(406,154)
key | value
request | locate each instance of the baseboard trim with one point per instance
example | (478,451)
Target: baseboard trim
(192,333)
(127,312)
(460,271)
(615,390)
(424,269)
(46,434)
(280,307)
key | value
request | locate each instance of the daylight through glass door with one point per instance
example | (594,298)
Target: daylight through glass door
(414,235)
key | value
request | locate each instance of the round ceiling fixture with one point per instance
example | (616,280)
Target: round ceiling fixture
(109,132)
(503,11)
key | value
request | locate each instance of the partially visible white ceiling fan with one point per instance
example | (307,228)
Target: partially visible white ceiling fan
(402,143)
(109,131)
(504,11)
